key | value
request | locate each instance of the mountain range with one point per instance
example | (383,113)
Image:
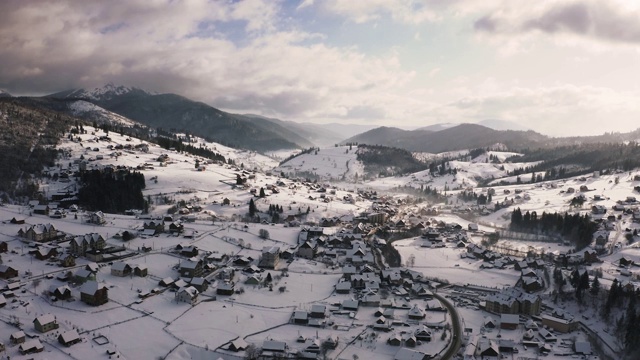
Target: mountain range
(125,106)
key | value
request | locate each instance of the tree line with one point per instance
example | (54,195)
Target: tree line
(579,228)
(111,191)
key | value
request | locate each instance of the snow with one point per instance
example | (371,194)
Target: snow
(82,107)
(331,163)
(177,330)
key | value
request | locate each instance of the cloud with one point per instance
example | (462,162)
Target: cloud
(606,21)
(191,48)
(403,11)
(560,110)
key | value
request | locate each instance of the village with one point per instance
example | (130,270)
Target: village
(327,272)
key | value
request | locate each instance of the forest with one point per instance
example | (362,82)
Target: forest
(578,228)
(111,191)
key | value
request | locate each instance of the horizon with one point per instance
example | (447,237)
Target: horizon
(406,64)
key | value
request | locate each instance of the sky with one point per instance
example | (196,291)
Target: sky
(562,68)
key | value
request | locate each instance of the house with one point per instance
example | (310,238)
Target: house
(176,227)
(415,313)
(41,209)
(97,218)
(270,257)
(187,294)
(423,334)
(558,324)
(16,221)
(434,305)
(343,287)
(410,341)
(94,294)
(140,270)
(253,280)
(68,260)
(582,348)
(509,321)
(201,284)
(225,288)
(395,340)
(166,282)
(83,275)
(188,251)
(31,347)
(39,232)
(190,269)
(547,335)
(238,345)
(121,269)
(351,305)
(17,337)
(487,348)
(61,292)
(79,245)
(300,317)
(331,342)
(7,272)
(308,249)
(45,323)
(318,311)
(274,347)
(69,338)
(156,225)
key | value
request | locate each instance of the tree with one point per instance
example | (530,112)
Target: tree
(262,194)
(595,286)
(251,352)
(197,163)
(252,208)
(263,233)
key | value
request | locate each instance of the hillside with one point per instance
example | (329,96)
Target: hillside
(28,134)
(305,132)
(174,112)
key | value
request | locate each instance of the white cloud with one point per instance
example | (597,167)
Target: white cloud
(403,11)
(604,21)
(560,110)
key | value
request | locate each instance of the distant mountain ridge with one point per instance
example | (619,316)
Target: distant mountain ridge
(171,111)
(463,136)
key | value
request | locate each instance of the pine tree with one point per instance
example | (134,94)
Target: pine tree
(262,194)
(595,286)
(252,208)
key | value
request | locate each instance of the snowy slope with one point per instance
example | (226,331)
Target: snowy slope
(331,163)
(85,109)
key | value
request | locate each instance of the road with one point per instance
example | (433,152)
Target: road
(454,345)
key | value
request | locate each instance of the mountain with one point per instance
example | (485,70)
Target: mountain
(494,124)
(497,124)
(318,135)
(4,94)
(174,112)
(463,136)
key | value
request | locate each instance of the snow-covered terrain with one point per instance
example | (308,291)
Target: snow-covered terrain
(160,326)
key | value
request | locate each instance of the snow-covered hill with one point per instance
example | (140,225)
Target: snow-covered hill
(87,110)
(331,163)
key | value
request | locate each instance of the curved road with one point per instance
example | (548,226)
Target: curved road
(454,346)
